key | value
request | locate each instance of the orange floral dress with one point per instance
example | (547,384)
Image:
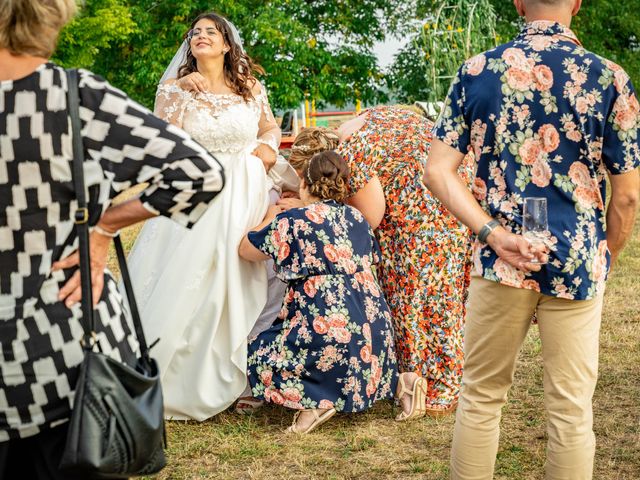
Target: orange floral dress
(425,265)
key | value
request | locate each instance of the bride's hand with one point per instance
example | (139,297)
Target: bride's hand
(194,82)
(266,154)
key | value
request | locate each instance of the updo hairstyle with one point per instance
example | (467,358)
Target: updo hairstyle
(326,176)
(310,141)
(31,27)
(239,68)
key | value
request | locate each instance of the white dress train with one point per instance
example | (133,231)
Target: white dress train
(195,293)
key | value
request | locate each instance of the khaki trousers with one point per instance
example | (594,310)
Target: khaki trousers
(498,318)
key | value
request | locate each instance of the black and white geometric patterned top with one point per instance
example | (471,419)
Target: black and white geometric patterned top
(125,145)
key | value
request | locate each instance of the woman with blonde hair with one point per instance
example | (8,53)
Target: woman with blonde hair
(40,319)
(331,348)
(425,266)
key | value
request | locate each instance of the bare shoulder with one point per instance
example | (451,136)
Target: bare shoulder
(256,88)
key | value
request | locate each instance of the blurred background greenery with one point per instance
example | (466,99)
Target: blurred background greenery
(325,49)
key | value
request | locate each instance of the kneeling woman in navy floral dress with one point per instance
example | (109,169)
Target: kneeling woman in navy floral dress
(331,349)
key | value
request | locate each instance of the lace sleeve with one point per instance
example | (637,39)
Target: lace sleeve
(171,102)
(268,130)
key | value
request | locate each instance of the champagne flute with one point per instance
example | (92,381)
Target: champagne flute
(535,227)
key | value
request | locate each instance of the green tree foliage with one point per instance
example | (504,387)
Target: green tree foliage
(103,23)
(450,32)
(322,49)
(610,28)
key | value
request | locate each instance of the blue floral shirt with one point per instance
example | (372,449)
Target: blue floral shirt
(545,118)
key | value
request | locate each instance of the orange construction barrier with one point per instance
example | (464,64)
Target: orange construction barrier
(332,114)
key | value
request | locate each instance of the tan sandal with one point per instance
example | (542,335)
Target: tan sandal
(418,394)
(319,419)
(441,410)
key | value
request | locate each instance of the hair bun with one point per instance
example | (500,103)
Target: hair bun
(326,176)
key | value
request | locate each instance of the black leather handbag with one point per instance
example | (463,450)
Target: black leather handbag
(116,428)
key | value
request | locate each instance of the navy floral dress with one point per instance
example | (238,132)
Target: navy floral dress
(332,345)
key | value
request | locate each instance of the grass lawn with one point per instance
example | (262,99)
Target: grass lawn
(373,446)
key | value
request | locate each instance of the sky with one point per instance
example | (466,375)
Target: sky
(387,49)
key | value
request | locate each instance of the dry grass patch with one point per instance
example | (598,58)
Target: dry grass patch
(373,446)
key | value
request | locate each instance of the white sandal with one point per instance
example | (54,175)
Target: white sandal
(418,394)
(247,405)
(319,419)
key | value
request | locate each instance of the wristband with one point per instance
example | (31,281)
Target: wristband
(486,230)
(102,231)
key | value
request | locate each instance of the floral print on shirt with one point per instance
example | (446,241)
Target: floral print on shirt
(545,118)
(332,345)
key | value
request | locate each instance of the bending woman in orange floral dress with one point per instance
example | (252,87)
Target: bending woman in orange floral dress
(426,255)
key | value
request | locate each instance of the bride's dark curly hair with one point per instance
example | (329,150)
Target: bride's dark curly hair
(239,69)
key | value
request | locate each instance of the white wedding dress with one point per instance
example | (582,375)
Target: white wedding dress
(195,293)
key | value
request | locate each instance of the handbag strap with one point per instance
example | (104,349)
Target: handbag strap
(133,306)
(82,226)
(82,213)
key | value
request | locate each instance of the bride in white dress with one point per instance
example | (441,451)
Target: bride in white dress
(194,291)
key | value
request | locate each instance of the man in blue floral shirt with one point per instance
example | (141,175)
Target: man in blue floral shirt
(544,118)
